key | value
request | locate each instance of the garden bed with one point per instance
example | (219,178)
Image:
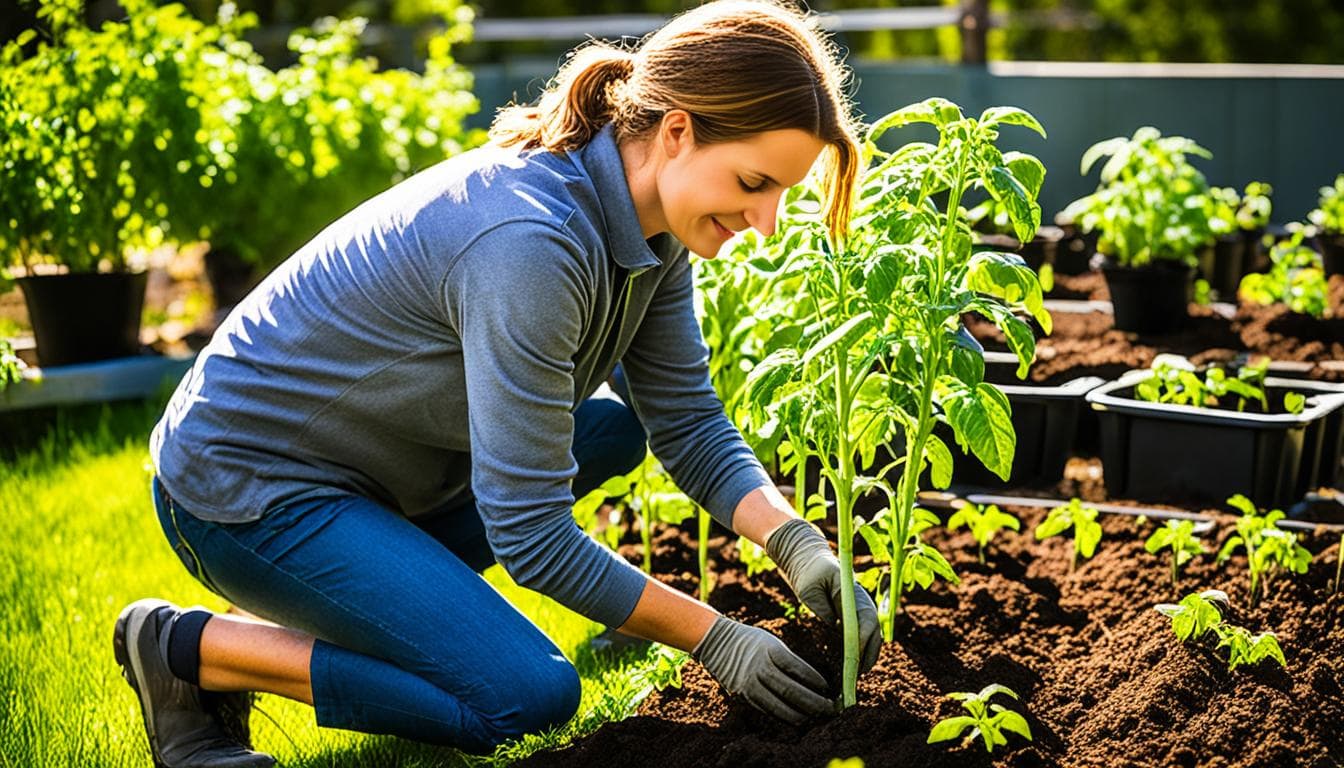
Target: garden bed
(1103,680)
(1086,344)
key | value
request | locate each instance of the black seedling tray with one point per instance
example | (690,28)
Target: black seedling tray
(1162,452)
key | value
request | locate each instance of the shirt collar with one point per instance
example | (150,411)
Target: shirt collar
(601,158)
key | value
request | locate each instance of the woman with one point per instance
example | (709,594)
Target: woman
(406,400)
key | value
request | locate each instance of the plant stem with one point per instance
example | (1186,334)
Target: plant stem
(844,508)
(800,480)
(1339,561)
(645,519)
(704,552)
(1173,567)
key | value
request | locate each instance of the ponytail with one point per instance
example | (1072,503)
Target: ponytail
(586,94)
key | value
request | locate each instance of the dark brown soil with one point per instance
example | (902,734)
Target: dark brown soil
(1086,344)
(1103,681)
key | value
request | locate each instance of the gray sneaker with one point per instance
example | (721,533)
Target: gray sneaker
(182,732)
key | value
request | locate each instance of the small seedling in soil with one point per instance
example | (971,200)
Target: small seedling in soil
(1179,536)
(983,523)
(1083,521)
(1268,547)
(1197,615)
(1246,648)
(988,721)
(753,556)
(922,562)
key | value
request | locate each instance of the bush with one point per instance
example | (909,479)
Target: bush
(163,126)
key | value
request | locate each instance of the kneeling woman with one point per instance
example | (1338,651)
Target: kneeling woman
(407,400)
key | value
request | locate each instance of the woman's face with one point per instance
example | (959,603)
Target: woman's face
(710,191)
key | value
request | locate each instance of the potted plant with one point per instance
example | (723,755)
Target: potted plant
(1238,221)
(1295,279)
(1175,432)
(1150,215)
(1329,221)
(96,128)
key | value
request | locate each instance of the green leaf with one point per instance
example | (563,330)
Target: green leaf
(1293,402)
(1026,169)
(981,417)
(844,336)
(1014,723)
(1023,209)
(1011,116)
(940,461)
(950,728)
(1008,277)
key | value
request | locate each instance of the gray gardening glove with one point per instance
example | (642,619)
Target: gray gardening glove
(805,558)
(750,661)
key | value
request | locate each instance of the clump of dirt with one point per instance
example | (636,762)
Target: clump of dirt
(1103,681)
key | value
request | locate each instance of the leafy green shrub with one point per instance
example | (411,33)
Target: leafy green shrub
(97,127)
(983,523)
(1083,521)
(1268,548)
(1151,204)
(1179,537)
(1329,213)
(1295,279)
(988,721)
(1230,212)
(316,138)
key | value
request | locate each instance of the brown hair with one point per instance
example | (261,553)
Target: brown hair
(738,67)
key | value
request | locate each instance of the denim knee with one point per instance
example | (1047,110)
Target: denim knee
(540,697)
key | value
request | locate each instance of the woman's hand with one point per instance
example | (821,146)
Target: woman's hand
(750,661)
(813,572)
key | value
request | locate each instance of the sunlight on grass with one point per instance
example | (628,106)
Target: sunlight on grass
(82,541)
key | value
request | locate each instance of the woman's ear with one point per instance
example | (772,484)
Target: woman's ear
(676,133)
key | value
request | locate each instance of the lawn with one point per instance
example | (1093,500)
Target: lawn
(82,542)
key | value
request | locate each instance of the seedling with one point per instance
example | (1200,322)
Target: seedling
(1197,615)
(922,563)
(656,499)
(983,523)
(1083,521)
(1296,280)
(1175,380)
(1244,648)
(988,721)
(1179,537)
(1329,214)
(1268,547)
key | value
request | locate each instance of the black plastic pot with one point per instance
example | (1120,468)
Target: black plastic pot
(230,278)
(1225,263)
(1332,253)
(1162,452)
(84,317)
(1044,418)
(1150,299)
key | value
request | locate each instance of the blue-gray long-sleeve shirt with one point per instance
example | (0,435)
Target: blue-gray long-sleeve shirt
(440,337)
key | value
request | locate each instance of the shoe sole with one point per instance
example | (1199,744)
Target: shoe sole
(129,624)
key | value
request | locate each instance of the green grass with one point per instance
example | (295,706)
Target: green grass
(81,541)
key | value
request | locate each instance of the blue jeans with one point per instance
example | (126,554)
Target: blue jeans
(411,641)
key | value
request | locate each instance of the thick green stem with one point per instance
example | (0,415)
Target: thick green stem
(844,512)
(704,552)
